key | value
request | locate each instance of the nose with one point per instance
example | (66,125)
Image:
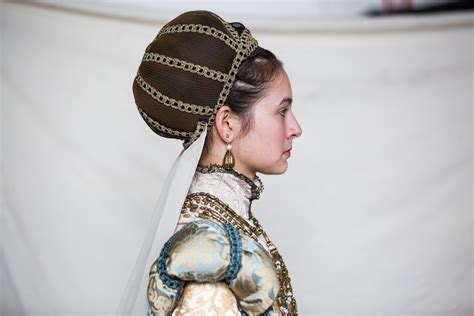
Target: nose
(295,128)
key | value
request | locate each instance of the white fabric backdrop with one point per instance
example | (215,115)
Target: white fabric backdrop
(373,217)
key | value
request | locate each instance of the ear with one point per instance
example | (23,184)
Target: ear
(227,124)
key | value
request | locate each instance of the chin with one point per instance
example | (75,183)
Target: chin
(276,169)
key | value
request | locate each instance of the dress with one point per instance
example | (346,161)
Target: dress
(219,200)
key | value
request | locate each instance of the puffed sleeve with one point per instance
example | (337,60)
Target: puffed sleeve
(206,251)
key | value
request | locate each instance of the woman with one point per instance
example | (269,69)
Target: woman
(207,82)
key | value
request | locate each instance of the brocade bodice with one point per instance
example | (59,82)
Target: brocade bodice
(226,196)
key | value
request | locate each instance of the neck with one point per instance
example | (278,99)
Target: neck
(245,171)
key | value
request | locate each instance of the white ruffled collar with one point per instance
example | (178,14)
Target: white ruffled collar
(230,186)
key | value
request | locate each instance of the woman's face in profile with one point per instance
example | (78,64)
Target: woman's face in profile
(267,146)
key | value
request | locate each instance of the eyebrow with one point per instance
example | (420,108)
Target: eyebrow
(289,100)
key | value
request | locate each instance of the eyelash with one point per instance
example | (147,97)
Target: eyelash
(283,112)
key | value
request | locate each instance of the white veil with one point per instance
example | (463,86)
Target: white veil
(161,228)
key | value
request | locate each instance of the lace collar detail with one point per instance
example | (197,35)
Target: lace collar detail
(229,186)
(256,186)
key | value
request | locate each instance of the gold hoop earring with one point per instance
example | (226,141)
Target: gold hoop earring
(229,161)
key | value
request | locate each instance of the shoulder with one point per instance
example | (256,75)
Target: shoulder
(209,251)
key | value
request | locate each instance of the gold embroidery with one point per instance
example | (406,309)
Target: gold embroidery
(207,206)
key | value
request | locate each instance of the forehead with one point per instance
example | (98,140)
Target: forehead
(279,89)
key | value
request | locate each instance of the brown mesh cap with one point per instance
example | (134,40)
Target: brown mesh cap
(187,72)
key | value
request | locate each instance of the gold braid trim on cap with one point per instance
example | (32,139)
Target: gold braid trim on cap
(230,28)
(199,28)
(164,128)
(186,66)
(168,101)
(201,127)
(247,44)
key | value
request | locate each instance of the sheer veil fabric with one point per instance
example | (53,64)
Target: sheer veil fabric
(161,228)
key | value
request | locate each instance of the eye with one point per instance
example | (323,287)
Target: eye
(283,112)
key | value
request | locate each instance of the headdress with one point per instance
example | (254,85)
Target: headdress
(185,76)
(187,72)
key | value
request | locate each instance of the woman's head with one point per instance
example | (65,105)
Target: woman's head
(256,119)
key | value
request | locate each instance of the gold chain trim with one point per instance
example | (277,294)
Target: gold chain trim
(201,127)
(207,206)
(285,298)
(247,44)
(203,205)
(230,28)
(187,66)
(164,128)
(203,29)
(168,101)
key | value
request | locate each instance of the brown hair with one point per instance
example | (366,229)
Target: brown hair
(251,83)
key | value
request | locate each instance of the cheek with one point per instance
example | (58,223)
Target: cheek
(255,143)
(266,139)
(264,130)
(270,137)
(276,130)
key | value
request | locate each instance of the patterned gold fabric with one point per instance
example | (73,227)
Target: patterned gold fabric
(210,299)
(256,285)
(213,299)
(199,252)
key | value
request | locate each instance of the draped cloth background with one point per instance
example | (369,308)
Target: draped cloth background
(373,217)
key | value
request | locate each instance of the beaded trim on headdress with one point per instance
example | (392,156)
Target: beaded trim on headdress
(243,45)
